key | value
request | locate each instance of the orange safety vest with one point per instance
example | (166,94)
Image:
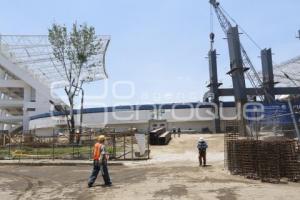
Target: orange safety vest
(97,151)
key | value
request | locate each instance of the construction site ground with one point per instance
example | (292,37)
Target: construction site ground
(171,173)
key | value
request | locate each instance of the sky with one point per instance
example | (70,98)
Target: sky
(158,47)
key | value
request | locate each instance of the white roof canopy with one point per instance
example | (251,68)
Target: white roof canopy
(292,69)
(34,54)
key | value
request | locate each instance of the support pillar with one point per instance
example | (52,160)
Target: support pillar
(268,76)
(237,73)
(27,98)
(214,85)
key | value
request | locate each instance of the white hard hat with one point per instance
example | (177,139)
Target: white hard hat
(201,139)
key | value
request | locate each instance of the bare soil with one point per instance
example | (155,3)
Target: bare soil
(171,173)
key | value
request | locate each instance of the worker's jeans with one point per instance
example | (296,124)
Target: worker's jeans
(105,174)
(104,170)
(202,157)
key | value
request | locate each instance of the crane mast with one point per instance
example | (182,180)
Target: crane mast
(251,73)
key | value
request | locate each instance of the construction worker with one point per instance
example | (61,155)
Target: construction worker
(100,163)
(202,146)
(179,131)
(77,136)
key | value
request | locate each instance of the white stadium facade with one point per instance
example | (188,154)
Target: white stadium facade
(188,116)
(28,73)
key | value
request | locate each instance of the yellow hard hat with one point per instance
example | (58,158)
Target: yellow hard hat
(101,138)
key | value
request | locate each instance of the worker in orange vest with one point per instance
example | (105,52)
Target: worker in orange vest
(100,163)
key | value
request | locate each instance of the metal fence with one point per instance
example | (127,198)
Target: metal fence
(28,145)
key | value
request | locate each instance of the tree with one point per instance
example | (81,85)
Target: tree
(75,51)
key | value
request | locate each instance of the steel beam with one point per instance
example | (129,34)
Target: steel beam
(286,90)
(260,91)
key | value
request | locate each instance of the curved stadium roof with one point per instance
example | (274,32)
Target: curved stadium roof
(34,54)
(291,68)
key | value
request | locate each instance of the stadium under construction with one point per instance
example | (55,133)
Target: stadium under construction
(29,73)
(261,125)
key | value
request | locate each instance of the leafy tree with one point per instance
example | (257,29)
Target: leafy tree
(75,51)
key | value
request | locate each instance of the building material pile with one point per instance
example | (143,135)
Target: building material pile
(160,136)
(269,160)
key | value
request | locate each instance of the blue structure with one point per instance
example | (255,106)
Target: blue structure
(276,112)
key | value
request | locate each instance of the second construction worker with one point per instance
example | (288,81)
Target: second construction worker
(100,163)
(202,146)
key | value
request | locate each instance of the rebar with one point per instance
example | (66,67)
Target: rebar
(269,160)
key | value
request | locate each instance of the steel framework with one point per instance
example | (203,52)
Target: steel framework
(291,68)
(226,25)
(33,53)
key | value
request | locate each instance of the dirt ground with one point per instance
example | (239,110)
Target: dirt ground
(172,173)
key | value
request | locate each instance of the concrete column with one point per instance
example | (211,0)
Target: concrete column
(237,73)
(214,85)
(1,124)
(27,98)
(268,76)
(2,112)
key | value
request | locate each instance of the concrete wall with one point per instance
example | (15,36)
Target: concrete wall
(193,125)
(193,118)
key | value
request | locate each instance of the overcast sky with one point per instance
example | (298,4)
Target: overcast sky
(160,45)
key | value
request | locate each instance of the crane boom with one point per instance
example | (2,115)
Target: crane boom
(251,74)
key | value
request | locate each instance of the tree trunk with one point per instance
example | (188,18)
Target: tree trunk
(72,122)
(72,131)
